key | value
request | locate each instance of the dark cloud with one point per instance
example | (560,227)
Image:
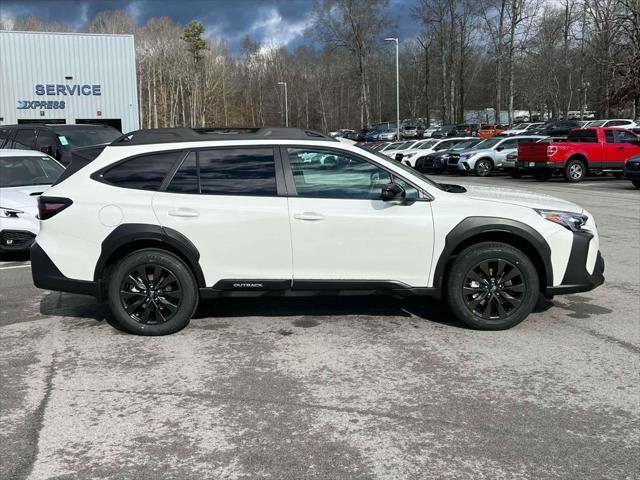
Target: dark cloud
(279,21)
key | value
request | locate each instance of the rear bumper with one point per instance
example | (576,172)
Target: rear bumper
(577,278)
(531,166)
(47,276)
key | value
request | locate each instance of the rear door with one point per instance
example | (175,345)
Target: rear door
(619,146)
(226,201)
(343,235)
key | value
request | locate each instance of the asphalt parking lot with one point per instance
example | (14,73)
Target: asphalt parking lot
(332,388)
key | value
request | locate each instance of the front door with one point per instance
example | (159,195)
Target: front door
(343,234)
(225,201)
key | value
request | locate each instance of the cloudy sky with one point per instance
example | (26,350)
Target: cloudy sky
(279,22)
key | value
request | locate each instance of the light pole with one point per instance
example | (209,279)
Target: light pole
(397,86)
(286,104)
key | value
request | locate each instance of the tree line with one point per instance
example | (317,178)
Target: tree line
(543,56)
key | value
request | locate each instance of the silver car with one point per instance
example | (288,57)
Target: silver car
(488,155)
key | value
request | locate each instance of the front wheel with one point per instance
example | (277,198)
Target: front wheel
(492,286)
(483,167)
(575,171)
(152,292)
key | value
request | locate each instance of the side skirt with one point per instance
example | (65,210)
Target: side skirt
(310,288)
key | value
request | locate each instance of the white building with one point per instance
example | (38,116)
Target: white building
(68,78)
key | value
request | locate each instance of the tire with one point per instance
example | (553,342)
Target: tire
(542,175)
(483,167)
(617,175)
(574,171)
(476,272)
(636,183)
(159,311)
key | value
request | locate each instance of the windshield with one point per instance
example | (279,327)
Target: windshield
(597,123)
(84,137)
(487,143)
(404,146)
(464,145)
(28,171)
(520,126)
(428,144)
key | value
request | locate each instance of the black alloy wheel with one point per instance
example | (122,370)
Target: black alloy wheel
(493,289)
(151,294)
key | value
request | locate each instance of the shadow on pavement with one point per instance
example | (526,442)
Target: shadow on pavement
(14,256)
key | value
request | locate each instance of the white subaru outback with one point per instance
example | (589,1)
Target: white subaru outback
(162,218)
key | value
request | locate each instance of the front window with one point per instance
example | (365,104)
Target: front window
(428,144)
(464,145)
(488,143)
(72,137)
(28,171)
(331,174)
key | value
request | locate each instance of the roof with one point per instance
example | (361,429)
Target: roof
(11,152)
(175,135)
(56,125)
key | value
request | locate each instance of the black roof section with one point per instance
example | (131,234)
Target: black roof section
(170,135)
(56,125)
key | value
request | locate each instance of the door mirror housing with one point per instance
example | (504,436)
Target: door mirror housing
(48,150)
(499,149)
(392,192)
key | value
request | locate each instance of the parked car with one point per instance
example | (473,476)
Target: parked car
(594,149)
(523,128)
(468,129)
(147,208)
(632,170)
(388,135)
(55,140)
(557,129)
(445,131)
(614,122)
(421,149)
(399,147)
(430,131)
(487,156)
(24,174)
(342,132)
(436,161)
(410,131)
(488,131)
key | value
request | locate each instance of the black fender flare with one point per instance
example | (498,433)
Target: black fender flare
(472,226)
(135,232)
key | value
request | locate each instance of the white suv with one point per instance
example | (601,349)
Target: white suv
(162,218)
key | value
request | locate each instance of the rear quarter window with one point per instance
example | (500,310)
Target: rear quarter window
(146,172)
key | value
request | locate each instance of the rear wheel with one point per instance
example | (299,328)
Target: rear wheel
(492,286)
(574,171)
(152,292)
(483,167)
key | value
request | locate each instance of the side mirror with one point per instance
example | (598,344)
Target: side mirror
(499,149)
(399,156)
(48,150)
(392,192)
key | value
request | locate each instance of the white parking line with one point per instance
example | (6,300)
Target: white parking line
(15,266)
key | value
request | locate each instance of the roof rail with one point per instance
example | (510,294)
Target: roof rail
(171,135)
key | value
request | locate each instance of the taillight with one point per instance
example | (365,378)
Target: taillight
(551,150)
(50,206)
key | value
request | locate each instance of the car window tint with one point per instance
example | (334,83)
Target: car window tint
(45,140)
(26,171)
(238,171)
(185,179)
(143,173)
(25,139)
(4,135)
(329,174)
(590,136)
(619,136)
(511,143)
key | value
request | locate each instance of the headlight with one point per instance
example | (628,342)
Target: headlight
(9,212)
(571,220)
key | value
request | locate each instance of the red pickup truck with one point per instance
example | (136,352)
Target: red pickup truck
(584,149)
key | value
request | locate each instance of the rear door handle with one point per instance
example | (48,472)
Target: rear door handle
(183,212)
(308,216)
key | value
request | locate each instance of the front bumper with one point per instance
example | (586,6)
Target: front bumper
(576,277)
(47,276)
(632,172)
(16,240)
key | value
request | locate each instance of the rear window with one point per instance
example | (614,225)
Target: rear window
(246,171)
(583,136)
(25,139)
(142,173)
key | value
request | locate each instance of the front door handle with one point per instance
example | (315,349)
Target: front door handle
(183,212)
(308,216)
